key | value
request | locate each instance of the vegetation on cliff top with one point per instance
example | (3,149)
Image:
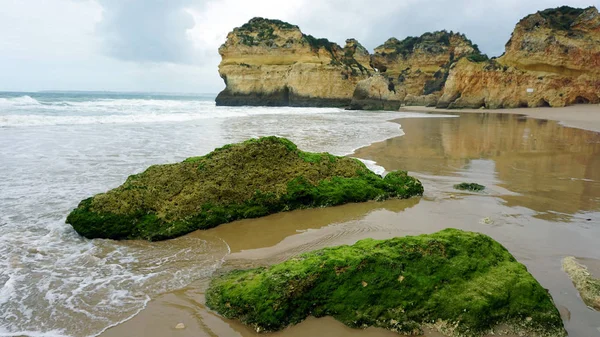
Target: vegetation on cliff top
(317,44)
(244,180)
(261,30)
(258,24)
(461,282)
(561,18)
(435,42)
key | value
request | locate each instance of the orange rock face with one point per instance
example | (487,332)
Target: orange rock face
(552,59)
(414,69)
(270,62)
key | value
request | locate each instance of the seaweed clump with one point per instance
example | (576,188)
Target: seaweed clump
(586,284)
(462,283)
(469,187)
(245,180)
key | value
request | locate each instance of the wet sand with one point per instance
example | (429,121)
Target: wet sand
(586,117)
(542,203)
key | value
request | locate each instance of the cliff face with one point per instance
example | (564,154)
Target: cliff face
(413,68)
(270,62)
(552,59)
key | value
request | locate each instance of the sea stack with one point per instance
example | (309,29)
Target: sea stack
(272,63)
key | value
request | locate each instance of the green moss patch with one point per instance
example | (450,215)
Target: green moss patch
(464,283)
(469,187)
(246,180)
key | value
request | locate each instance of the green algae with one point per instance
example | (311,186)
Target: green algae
(463,283)
(237,181)
(586,284)
(469,187)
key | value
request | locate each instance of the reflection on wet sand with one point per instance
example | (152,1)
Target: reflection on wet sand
(258,233)
(552,169)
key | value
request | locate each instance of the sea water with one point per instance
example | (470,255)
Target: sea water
(59,148)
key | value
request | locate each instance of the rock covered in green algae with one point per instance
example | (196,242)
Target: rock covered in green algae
(586,284)
(462,283)
(469,187)
(246,180)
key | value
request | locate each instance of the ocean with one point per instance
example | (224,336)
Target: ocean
(57,148)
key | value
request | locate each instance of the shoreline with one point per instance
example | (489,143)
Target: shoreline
(307,230)
(583,116)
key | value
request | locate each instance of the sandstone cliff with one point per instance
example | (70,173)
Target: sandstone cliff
(414,68)
(552,59)
(270,62)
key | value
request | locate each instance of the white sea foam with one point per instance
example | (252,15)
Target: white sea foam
(44,120)
(371,165)
(21,101)
(57,151)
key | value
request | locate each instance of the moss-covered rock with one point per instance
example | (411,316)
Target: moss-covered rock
(461,283)
(469,187)
(586,284)
(245,180)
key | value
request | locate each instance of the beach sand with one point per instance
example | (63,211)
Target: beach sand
(584,116)
(542,203)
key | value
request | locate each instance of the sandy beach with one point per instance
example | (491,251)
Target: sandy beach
(244,169)
(541,202)
(585,116)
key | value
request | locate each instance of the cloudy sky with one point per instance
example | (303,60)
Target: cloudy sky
(171,45)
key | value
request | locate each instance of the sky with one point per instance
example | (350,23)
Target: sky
(171,45)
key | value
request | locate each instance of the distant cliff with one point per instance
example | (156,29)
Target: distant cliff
(414,69)
(270,62)
(552,59)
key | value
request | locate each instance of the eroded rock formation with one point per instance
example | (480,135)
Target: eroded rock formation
(415,68)
(552,59)
(270,62)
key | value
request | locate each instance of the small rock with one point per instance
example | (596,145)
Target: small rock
(528,319)
(180,326)
(364,284)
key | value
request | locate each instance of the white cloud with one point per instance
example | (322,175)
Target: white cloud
(215,19)
(171,45)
